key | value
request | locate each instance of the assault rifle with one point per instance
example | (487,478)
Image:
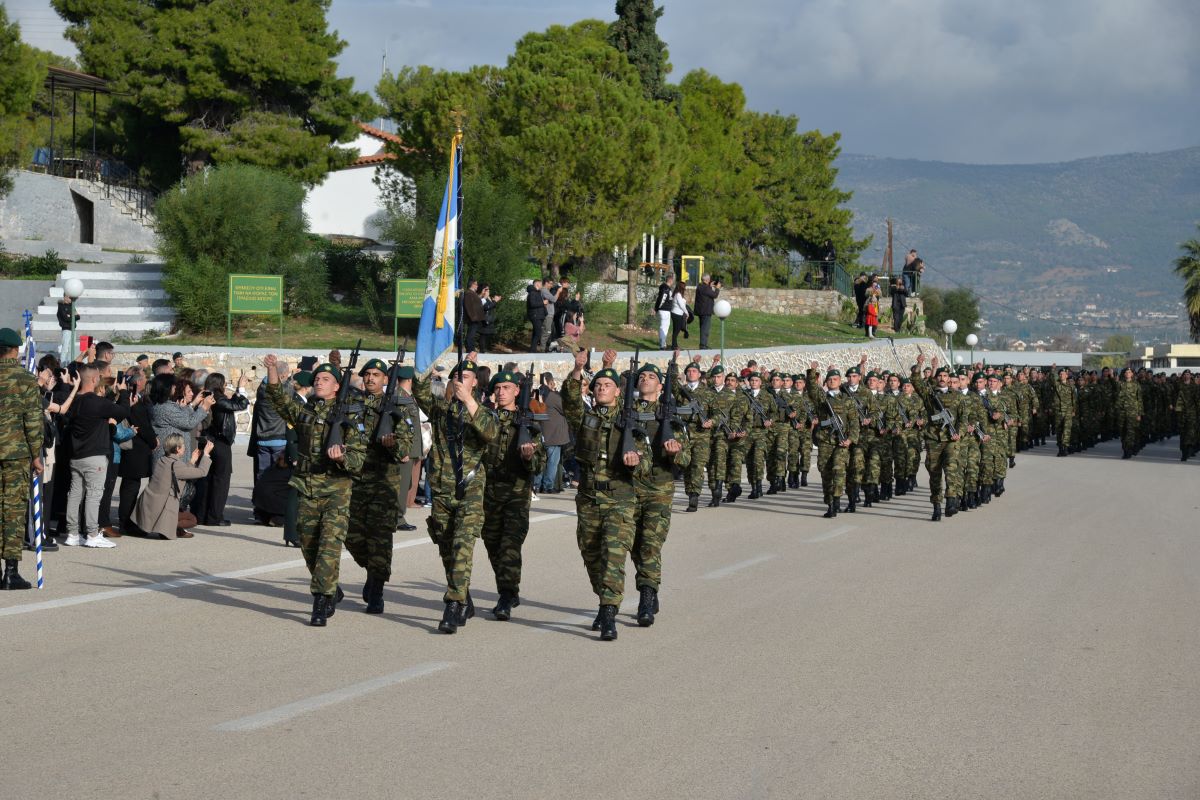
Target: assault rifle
(834,422)
(943,415)
(335,435)
(628,442)
(755,407)
(391,410)
(530,411)
(667,407)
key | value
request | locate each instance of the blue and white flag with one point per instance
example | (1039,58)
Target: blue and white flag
(435,335)
(30,347)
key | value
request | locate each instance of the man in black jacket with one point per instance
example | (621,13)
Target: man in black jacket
(535,312)
(91,448)
(221,431)
(706,298)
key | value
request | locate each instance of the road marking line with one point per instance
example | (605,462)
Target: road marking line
(265,719)
(112,594)
(732,568)
(833,534)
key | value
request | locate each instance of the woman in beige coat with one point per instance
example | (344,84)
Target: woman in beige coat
(157,511)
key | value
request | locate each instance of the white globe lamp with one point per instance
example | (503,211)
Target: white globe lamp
(722,309)
(972,339)
(73,288)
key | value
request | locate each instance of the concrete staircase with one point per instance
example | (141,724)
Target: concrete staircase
(121,302)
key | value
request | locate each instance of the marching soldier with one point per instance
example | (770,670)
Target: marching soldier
(779,435)
(20,452)
(323,477)
(375,494)
(858,449)
(1129,413)
(1065,401)
(801,437)
(462,430)
(721,407)
(739,438)
(941,436)
(606,501)
(511,467)
(975,435)
(837,429)
(999,409)
(914,408)
(761,415)
(700,430)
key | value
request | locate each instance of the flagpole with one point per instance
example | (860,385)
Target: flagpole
(35,489)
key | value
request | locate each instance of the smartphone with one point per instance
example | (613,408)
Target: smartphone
(201,443)
(206,393)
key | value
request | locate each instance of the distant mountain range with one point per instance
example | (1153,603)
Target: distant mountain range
(1086,244)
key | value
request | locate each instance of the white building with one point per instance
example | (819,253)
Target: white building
(348,202)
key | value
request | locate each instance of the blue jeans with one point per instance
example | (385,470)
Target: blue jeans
(549,474)
(910,280)
(265,457)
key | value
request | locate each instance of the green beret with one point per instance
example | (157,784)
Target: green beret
(833,373)
(977,376)
(504,376)
(751,374)
(716,370)
(607,372)
(142,357)
(799,378)
(302,378)
(994,377)
(853,371)
(872,374)
(9,338)
(405,373)
(941,371)
(651,368)
(374,363)
(330,368)
(693,365)
(904,380)
(466,365)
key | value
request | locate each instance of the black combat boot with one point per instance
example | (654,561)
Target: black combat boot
(368,588)
(793,479)
(319,614)
(12,579)
(965,505)
(599,617)
(332,600)
(852,496)
(1012,462)
(999,487)
(647,605)
(467,612)
(504,606)
(951,506)
(804,479)
(868,495)
(454,610)
(693,502)
(735,491)
(985,494)
(774,486)
(755,490)
(831,509)
(783,484)
(608,623)
(912,483)
(716,494)
(937,513)
(1062,451)
(901,487)
(375,598)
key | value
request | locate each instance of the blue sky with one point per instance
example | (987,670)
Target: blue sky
(953,80)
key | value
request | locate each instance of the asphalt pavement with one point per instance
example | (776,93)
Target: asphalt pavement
(1044,646)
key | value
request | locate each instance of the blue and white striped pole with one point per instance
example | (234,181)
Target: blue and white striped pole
(35,494)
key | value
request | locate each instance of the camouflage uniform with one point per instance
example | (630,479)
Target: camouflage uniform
(973,414)
(761,438)
(653,487)
(779,435)
(1129,411)
(878,440)
(941,451)
(721,412)
(914,409)
(324,486)
(832,459)
(373,501)
(455,522)
(21,431)
(507,494)
(1065,403)
(739,421)
(700,439)
(606,502)
(800,440)
(857,467)
(1187,412)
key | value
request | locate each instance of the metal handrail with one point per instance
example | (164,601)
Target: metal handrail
(111,177)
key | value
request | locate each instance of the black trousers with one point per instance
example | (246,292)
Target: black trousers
(473,329)
(705,326)
(127,502)
(678,326)
(104,518)
(217,484)
(536,339)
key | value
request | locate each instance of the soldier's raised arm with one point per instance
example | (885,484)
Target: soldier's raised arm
(572,392)
(288,411)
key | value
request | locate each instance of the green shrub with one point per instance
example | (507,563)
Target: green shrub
(233,219)
(15,266)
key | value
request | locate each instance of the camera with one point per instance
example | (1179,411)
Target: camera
(201,443)
(206,393)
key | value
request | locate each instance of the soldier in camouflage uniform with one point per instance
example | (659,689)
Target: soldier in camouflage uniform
(20,452)
(323,477)
(462,430)
(974,423)
(941,437)
(1000,412)
(1065,404)
(779,435)
(834,411)
(873,440)
(760,417)
(374,495)
(800,455)
(739,437)
(511,471)
(856,469)
(914,409)
(1029,410)
(700,443)
(1187,412)
(1129,413)
(653,486)
(606,501)
(1014,403)
(724,435)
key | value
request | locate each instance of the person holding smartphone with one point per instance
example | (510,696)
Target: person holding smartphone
(221,432)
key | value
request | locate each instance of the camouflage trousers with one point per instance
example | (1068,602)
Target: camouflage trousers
(738,451)
(718,463)
(969,456)
(941,461)
(652,522)
(1011,441)
(760,443)
(505,526)
(1129,428)
(832,462)
(1065,428)
(993,461)
(800,450)
(321,524)
(454,525)
(1025,432)
(779,437)
(604,528)
(693,475)
(900,460)
(373,513)
(15,477)
(878,460)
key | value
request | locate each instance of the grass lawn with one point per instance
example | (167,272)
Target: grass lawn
(342,325)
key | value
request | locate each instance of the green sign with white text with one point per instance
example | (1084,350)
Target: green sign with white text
(410,296)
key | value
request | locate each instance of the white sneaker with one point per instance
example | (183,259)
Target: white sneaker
(533,497)
(99,541)
(73,540)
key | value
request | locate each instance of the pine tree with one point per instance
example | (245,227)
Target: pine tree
(634,34)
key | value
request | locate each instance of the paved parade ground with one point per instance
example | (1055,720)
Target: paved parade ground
(1043,646)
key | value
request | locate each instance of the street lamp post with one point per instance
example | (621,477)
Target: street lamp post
(72,289)
(972,340)
(948,328)
(722,309)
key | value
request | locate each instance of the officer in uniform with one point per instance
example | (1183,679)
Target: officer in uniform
(20,451)
(374,502)
(739,438)
(606,501)
(511,470)
(323,478)
(1000,410)
(857,467)
(941,437)
(700,427)
(801,439)
(780,433)
(761,415)
(1065,402)
(462,430)
(653,488)
(834,410)
(404,376)
(723,434)
(914,409)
